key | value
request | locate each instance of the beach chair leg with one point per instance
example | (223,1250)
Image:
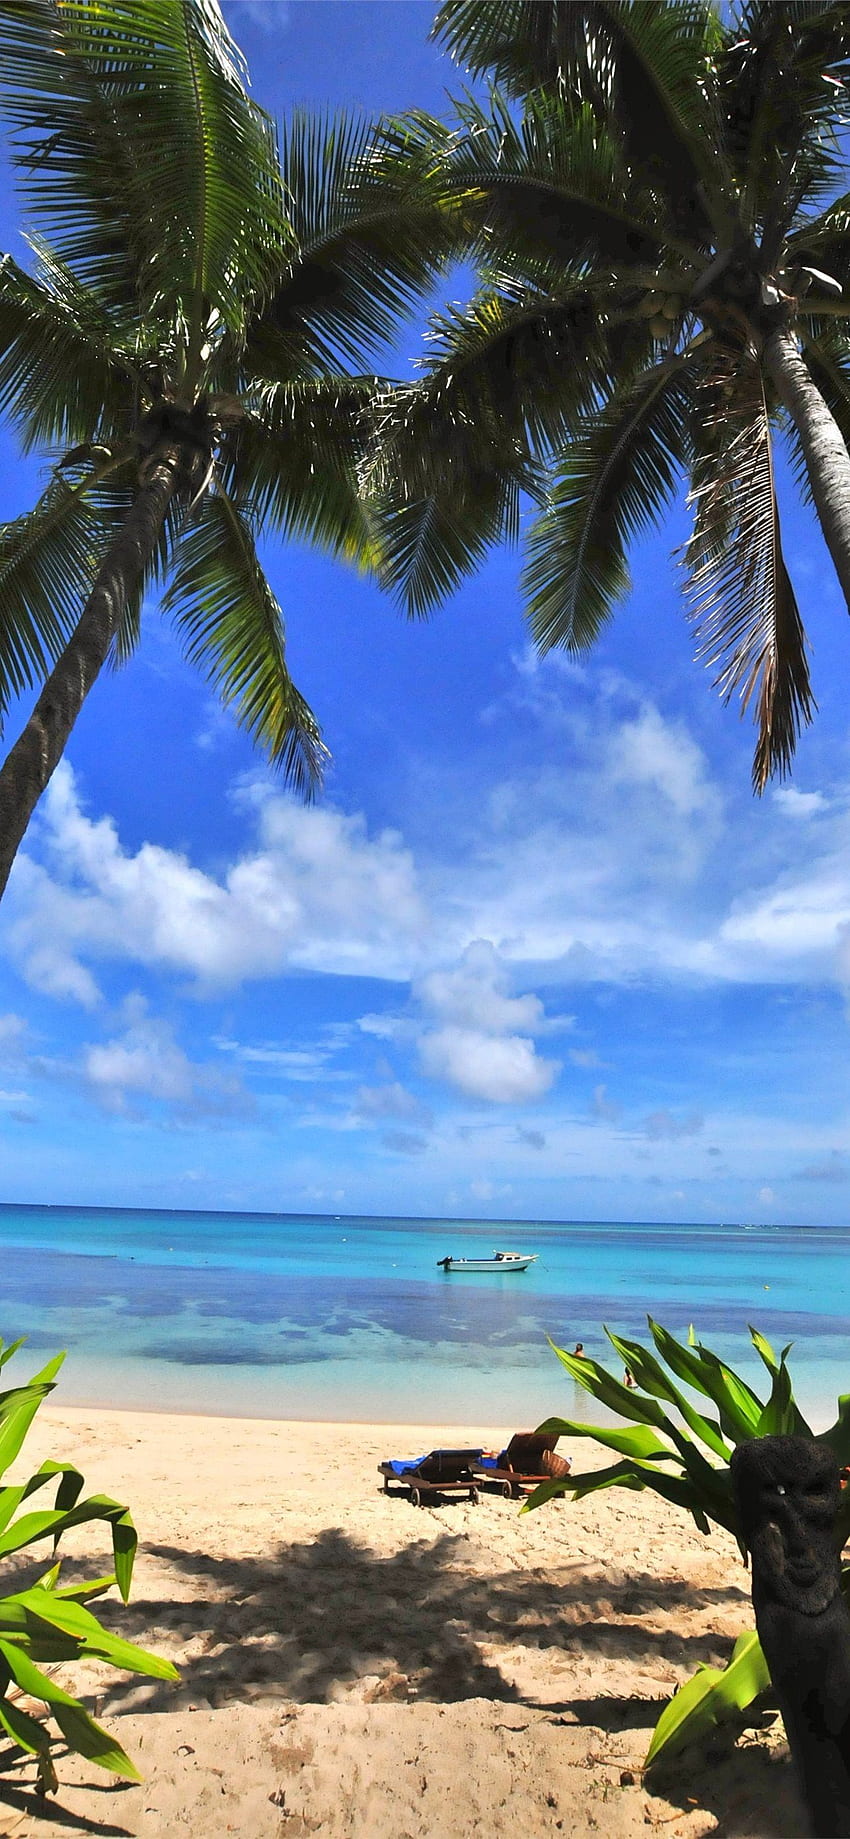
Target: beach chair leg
(474,1497)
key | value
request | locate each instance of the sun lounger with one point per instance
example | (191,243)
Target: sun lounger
(442,1471)
(529,1459)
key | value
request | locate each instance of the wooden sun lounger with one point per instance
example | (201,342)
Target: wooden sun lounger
(443,1471)
(521,1466)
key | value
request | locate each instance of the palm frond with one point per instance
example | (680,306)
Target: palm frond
(232,629)
(64,376)
(103,95)
(503,383)
(295,457)
(430,543)
(48,560)
(616,476)
(742,601)
(639,63)
(373,228)
(516,368)
(553,182)
(821,243)
(780,78)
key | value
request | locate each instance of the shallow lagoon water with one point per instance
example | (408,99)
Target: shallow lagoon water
(309,1316)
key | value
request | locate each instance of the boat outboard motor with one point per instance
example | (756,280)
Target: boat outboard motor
(444,1264)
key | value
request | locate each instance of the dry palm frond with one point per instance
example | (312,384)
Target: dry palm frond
(743,604)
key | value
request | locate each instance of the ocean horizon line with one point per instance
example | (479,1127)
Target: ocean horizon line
(437,1219)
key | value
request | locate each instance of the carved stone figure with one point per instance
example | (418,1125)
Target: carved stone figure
(788,1494)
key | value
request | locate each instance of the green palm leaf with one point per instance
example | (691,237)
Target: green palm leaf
(554,181)
(64,377)
(615,479)
(373,228)
(231,627)
(746,614)
(101,98)
(778,79)
(452,455)
(48,560)
(295,457)
(638,61)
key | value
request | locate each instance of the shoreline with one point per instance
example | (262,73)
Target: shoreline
(356,1667)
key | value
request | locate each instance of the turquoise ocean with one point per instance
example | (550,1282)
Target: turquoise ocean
(304,1316)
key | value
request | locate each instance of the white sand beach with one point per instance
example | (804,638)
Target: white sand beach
(354,1666)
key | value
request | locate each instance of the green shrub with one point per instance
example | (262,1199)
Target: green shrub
(685,1458)
(46,1623)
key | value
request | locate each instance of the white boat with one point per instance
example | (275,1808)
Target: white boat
(500,1261)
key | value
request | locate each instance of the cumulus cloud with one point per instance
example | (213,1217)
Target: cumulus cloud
(475,1048)
(619,868)
(317,892)
(145,1061)
(475,994)
(503,1071)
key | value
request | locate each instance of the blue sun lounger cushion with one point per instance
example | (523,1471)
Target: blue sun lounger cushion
(447,1461)
(404,1468)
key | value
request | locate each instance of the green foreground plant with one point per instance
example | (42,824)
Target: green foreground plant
(46,1623)
(685,1459)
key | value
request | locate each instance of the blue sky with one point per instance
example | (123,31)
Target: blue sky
(537,952)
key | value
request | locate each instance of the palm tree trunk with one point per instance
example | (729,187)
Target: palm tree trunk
(38,750)
(824,449)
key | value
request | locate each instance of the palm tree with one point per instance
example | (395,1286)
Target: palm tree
(664,258)
(185,349)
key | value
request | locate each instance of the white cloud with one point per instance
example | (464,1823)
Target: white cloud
(615,864)
(585,1057)
(662,755)
(504,1071)
(317,893)
(798,804)
(476,1049)
(302,1065)
(145,1061)
(474,994)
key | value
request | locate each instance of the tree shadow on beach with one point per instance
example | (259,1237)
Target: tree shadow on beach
(315,1621)
(309,1621)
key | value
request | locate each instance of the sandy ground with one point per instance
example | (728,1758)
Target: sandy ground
(353,1666)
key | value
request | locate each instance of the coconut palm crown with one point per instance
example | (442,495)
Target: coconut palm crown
(186,351)
(664,289)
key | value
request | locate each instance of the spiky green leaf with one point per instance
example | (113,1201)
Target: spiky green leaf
(231,627)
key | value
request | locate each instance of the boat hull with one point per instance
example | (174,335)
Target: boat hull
(473,1267)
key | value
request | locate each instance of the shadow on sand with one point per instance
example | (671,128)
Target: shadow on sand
(309,1621)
